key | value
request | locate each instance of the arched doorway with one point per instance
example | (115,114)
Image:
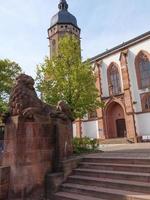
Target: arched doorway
(115,121)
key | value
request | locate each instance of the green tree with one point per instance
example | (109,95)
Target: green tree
(66,77)
(9,70)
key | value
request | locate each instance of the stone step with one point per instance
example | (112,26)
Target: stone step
(110,183)
(116,167)
(114,141)
(72,196)
(109,194)
(118,160)
(113,176)
(131,176)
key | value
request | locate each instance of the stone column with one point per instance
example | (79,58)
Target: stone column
(130,122)
(99,110)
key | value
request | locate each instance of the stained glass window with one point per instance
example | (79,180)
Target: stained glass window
(144,68)
(114,80)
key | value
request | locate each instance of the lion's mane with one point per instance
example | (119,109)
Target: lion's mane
(23,95)
(24,101)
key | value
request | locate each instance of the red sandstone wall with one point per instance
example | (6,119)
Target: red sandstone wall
(4,182)
(32,149)
(29,153)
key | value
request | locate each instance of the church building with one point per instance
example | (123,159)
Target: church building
(123,82)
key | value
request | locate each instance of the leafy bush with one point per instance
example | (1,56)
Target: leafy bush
(85,145)
(94,144)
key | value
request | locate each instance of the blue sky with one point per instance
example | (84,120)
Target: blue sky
(104,24)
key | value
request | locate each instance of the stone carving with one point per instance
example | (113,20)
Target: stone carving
(25,102)
(37,139)
(62,107)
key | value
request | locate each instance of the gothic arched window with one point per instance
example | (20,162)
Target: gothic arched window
(114,79)
(142,64)
(145,98)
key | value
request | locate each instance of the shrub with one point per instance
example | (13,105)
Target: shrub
(85,145)
(94,144)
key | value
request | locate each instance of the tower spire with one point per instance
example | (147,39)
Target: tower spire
(63,5)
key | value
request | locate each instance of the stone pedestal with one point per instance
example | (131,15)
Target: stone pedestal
(4,182)
(63,143)
(28,150)
(32,150)
(37,138)
(54,180)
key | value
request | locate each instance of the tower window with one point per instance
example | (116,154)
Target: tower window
(53,47)
(62,26)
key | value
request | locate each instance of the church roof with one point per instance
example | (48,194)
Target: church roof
(63,16)
(121,47)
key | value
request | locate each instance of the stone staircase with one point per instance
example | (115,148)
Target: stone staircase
(116,141)
(108,178)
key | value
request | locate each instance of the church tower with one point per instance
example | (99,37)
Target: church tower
(61,23)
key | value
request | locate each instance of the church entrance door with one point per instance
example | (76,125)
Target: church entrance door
(121,128)
(115,121)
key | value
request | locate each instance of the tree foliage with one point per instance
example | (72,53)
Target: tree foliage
(9,70)
(66,77)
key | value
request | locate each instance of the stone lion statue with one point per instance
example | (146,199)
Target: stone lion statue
(25,102)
